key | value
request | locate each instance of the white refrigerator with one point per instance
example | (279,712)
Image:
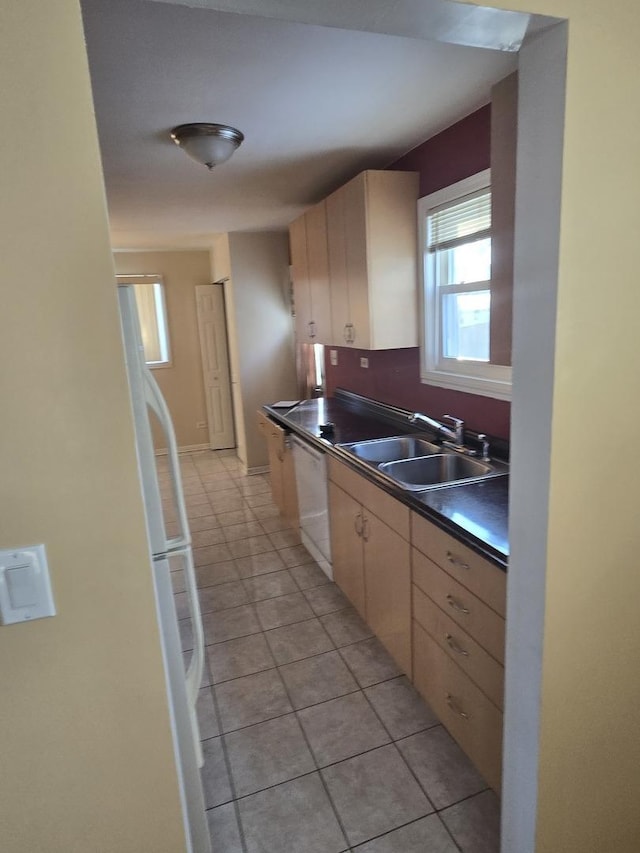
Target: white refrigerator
(166,553)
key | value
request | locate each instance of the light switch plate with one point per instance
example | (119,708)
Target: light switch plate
(364,362)
(25,586)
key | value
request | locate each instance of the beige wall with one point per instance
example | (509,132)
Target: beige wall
(87,760)
(181,383)
(589,760)
(261,329)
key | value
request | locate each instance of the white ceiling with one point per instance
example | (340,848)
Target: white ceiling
(317,104)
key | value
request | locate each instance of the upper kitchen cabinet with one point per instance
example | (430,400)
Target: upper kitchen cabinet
(310,272)
(372,243)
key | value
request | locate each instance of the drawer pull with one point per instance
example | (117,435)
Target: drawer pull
(357,523)
(365,529)
(451,702)
(456,561)
(455,605)
(455,647)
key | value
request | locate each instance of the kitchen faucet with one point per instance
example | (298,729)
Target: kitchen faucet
(454,436)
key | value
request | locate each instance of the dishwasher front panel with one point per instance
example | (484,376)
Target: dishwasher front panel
(313,503)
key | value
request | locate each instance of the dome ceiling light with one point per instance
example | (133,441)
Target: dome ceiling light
(209,144)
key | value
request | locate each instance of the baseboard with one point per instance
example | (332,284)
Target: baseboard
(188,448)
(259,469)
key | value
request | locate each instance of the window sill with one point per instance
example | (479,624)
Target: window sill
(498,387)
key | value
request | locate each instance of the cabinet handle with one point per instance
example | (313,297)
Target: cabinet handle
(459,608)
(365,529)
(312,329)
(456,561)
(451,702)
(456,648)
(345,333)
(280,455)
(358,527)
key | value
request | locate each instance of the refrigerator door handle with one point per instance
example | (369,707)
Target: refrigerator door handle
(196,664)
(156,402)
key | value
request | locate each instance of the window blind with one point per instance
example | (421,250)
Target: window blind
(461,222)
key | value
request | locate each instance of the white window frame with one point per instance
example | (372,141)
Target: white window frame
(162,318)
(487,380)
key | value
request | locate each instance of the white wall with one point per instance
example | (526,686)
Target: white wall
(261,329)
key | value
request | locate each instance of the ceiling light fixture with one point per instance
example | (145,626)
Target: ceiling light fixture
(209,144)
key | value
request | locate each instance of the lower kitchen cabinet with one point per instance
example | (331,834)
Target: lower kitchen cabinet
(371,561)
(347,552)
(458,633)
(282,472)
(470,717)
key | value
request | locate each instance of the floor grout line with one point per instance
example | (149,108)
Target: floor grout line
(277,667)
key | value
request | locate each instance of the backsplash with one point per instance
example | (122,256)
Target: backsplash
(393,377)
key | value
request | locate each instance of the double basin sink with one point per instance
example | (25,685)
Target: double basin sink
(417,464)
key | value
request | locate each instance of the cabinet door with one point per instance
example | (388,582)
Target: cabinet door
(337,250)
(387,574)
(346,546)
(318,262)
(289,489)
(355,221)
(300,276)
(276,458)
(392,252)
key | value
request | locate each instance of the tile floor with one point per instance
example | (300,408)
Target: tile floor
(314,742)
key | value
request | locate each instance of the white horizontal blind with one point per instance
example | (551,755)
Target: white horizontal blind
(465,220)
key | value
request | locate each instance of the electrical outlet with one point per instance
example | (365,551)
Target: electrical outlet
(364,362)
(333,357)
(201,425)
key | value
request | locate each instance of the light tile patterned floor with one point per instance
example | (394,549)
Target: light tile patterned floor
(314,742)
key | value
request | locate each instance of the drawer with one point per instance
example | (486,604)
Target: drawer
(484,579)
(390,510)
(466,609)
(486,672)
(470,717)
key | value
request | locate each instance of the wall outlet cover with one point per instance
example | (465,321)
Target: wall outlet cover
(333,357)
(364,362)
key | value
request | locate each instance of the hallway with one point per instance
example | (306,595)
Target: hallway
(314,742)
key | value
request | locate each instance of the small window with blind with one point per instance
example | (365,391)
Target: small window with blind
(152,312)
(455,232)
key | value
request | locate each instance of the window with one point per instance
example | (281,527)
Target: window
(149,292)
(455,234)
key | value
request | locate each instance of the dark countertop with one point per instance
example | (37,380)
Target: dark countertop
(475,513)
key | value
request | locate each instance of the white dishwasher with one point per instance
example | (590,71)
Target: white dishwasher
(313,503)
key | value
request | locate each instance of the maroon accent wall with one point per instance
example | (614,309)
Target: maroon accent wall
(393,376)
(457,152)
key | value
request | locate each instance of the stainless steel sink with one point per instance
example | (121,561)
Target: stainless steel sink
(380,450)
(438,470)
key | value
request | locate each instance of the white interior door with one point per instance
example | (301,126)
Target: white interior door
(215,364)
